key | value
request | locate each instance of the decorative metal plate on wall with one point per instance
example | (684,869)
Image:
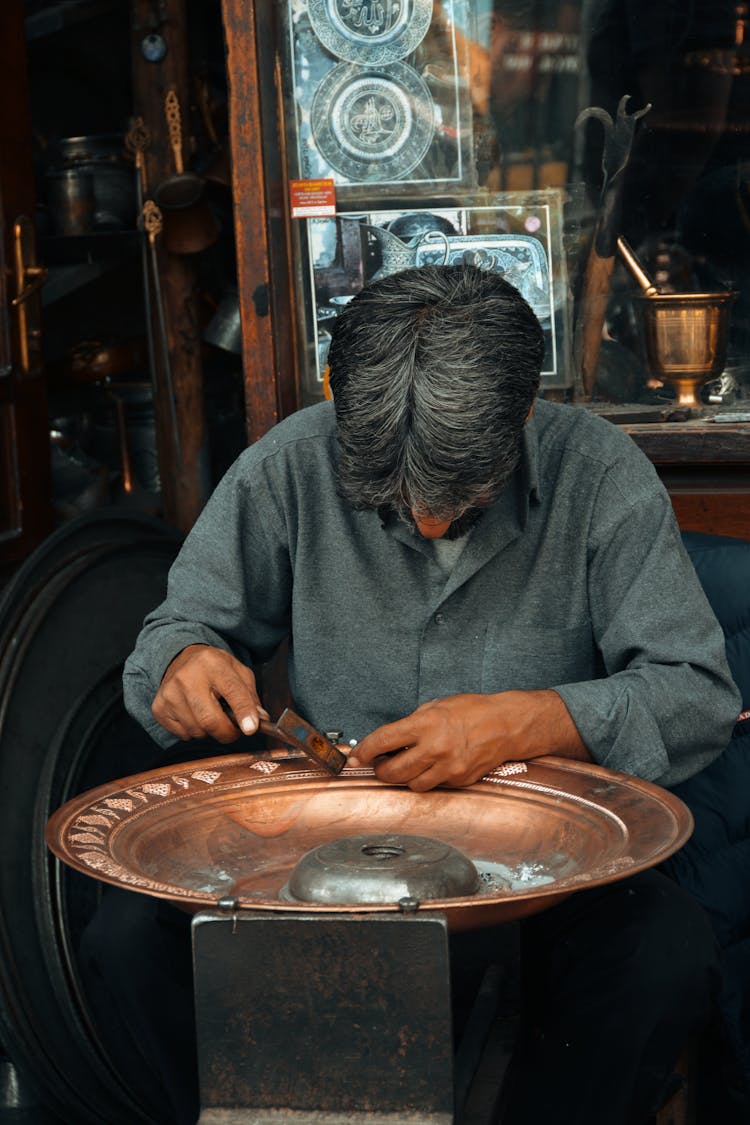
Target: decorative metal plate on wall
(374,32)
(515,234)
(519,258)
(373,123)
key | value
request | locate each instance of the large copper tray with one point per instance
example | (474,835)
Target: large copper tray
(234,827)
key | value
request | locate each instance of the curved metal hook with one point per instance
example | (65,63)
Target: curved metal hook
(618,135)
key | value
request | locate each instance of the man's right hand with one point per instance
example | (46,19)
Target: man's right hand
(188,702)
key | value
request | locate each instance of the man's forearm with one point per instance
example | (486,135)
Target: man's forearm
(460,738)
(546,726)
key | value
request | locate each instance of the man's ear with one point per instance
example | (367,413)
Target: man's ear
(531,411)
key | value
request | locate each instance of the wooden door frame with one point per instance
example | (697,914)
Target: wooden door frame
(27,394)
(261,213)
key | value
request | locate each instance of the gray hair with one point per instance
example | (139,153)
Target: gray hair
(433,372)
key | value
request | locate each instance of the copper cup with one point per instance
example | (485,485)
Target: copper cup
(189,230)
(686,339)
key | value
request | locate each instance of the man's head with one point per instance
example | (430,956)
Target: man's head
(433,372)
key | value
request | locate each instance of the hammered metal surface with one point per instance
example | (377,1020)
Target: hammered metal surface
(385,868)
(235,827)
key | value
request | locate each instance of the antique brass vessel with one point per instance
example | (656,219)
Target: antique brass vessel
(685,333)
(686,339)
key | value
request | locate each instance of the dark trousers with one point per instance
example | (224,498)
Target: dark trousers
(614,981)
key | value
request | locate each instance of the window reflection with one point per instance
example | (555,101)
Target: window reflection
(525,74)
(685,206)
(491,91)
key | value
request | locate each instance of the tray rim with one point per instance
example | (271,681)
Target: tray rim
(274,775)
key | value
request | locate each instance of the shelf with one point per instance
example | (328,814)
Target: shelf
(698,442)
(57,17)
(98,246)
(669,436)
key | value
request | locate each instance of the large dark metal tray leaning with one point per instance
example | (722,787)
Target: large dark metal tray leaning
(235,827)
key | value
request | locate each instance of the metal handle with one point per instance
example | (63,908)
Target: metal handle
(38,274)
(151,219)
(137,141)
(174,124)
(635,267)
(29,279)
(122,435)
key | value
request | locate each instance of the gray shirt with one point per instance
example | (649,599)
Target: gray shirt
(575,579)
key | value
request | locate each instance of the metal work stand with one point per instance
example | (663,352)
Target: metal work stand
(329,1019)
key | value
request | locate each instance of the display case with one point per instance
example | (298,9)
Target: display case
(525,136)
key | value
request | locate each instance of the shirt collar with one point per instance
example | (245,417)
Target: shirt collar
(510,509)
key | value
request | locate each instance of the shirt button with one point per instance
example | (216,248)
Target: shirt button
(440,618)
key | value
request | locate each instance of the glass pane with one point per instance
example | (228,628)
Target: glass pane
(444,123)
(526,91)
(519,235)
(685,190)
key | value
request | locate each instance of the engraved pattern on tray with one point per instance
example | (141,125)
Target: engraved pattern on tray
(373,123)
(370,32)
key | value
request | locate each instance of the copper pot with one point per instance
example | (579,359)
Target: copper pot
(70,199)
(92,361)
(224,330)
(189,223)
(188,230)
(102,160)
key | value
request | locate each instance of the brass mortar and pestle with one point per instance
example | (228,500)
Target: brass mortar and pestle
(686,333)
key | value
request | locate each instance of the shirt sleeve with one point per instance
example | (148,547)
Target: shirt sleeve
(229,587)
(666,705)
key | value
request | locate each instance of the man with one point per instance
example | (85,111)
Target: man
(467,576)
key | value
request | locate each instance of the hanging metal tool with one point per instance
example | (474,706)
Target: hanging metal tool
(137,141)
(592,306)
(128,482)
(152,224)
(190,224)
(184,188)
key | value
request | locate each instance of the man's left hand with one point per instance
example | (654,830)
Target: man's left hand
(458,739)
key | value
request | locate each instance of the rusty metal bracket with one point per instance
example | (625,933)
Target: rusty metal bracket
(302,1018)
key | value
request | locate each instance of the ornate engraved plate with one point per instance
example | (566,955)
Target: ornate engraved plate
(372,32)
(373,124)
(518,257)
(226,827)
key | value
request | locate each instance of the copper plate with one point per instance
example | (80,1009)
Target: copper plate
(235,827)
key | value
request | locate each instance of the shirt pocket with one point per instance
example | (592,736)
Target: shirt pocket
(527,658)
